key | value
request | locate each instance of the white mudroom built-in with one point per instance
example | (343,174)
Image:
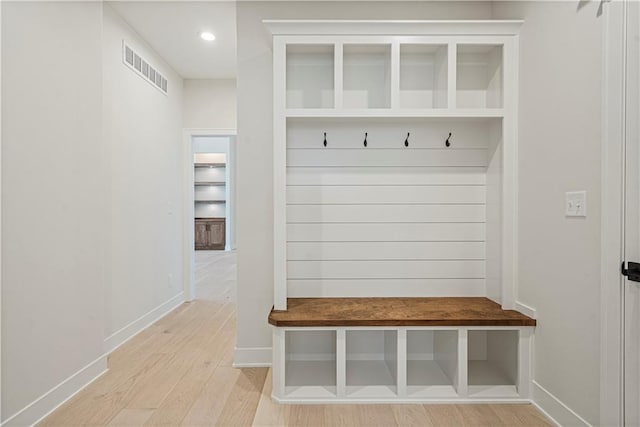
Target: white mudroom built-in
(395,147)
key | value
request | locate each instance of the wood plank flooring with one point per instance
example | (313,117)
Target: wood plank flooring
(178,372)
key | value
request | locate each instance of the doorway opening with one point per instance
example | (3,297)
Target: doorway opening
(212,186)
(210,261)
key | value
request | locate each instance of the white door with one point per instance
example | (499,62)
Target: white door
(631,287)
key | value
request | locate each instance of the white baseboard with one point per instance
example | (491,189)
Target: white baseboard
(58,395)
(252,357)
(554,409)
(120,337)
(526,310)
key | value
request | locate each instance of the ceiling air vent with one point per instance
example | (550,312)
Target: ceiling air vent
(145,70)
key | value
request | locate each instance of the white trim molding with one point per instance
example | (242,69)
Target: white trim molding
(526,310)
(399,28)
(252,357)
(611,295)
(59,395)
(396,401)
(555,409)
(120,337)
(210,132)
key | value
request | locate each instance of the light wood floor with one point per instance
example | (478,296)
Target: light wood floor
(215,275)
(178,372)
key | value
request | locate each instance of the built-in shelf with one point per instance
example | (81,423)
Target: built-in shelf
(423,76)
(209,165)
(210,195)
(394,157)
(407,349)
(432,363)
(492,363)
(367,76)
(310,79)
(311,363)
(479,76)
(396,113)
(423,80)
(206,184)
(371,363)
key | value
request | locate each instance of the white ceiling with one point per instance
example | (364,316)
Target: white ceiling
(172,29)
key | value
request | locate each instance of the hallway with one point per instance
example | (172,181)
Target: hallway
(216,275)
(179,372)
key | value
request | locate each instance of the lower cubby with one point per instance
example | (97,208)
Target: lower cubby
(310,365)
(432,363)
(492,367)
(371,363)
(401,364)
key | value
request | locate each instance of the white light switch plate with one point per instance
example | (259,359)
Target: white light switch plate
(576,203)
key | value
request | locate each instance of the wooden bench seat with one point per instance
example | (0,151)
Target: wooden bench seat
(437,311)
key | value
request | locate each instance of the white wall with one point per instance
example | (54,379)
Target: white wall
(53,207)
(255,149)
(143,136)
(560,149)
(210,104)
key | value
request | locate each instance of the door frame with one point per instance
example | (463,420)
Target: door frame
(188,241)
(612,226)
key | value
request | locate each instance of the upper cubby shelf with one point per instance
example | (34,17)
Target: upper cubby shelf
(479,76)
(347,68)
(423,76)
(426,83)
(367,79)
(310,80)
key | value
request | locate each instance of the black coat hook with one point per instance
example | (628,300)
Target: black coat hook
(365,139)
(406,141)
(447,143)
(325,139)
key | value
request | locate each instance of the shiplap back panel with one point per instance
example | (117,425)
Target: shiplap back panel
(386,219)
(382,251)
(334,213)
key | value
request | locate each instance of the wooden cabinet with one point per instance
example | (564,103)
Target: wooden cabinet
(210,234)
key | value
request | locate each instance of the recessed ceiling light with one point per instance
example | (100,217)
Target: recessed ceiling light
(208,36)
